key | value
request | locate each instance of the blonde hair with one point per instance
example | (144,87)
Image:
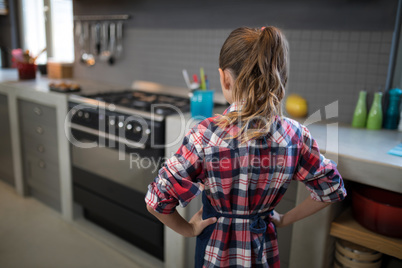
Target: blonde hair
(258,60)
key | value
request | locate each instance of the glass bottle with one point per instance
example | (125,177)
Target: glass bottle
(374,119)
(360,114)
(392,115)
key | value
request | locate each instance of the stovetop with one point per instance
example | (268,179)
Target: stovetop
(161,104)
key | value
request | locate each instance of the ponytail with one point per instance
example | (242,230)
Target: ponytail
(258,60)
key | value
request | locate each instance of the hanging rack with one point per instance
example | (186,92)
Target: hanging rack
(101,17)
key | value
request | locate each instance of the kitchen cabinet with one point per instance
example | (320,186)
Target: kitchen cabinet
(6,160)
(39,144)
(40,152)
(347,228)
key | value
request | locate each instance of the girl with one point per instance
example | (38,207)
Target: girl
(243,161)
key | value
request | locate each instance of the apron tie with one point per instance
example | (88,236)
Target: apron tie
(257,226)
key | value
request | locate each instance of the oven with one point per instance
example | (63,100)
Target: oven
(117,151)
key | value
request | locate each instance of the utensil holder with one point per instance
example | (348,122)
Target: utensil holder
(26,71)
(202,104)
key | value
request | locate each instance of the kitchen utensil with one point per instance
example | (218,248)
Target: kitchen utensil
(356,252)
(374,119)
(360,114)
(348,262)
(105,53)
(78,30)
(186,78)
(97,39)
(202,76)
(190,85)
(33,60)
(378,210)
(112,43)
(119,39)
(86,57)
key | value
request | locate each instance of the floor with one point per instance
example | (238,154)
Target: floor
(33,235)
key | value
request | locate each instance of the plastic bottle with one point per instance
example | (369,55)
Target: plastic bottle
(392,114)
(360,114)
(374,119)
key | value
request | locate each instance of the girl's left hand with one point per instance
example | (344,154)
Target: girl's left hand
(277,219)
(198,224)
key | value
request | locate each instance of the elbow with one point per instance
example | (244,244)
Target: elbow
(150,209)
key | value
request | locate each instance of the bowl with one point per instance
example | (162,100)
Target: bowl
(378,210)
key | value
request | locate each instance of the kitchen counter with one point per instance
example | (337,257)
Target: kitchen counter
(361,154)
(9,77)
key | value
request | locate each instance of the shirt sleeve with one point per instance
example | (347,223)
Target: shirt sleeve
(318,173)
(180,178)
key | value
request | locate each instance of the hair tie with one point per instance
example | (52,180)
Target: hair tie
(262,28)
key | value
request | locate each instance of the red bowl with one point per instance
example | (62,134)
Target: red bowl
(378,210)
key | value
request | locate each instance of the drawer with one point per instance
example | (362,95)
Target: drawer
(37,112)
(42,174)
(45,198)
(47,152)
(38,133)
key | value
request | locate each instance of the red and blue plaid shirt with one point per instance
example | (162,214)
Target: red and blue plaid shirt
(243,179)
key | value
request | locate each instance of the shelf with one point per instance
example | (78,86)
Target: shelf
(347,228)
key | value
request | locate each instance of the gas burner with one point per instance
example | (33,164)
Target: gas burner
(140,104)
(142,101)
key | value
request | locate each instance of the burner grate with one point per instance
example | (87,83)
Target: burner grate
(143,101)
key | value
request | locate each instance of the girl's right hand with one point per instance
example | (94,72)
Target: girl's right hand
(277,219)
(198,224)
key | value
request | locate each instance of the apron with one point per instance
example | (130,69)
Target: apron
(257,226)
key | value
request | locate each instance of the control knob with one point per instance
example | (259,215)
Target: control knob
(137,129)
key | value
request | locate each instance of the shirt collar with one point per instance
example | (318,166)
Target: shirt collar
(235,106)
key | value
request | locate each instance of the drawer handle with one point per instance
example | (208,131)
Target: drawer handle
(37,110)
(41,148)
(42,164)
(39,130)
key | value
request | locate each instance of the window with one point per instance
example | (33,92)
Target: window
(48,23)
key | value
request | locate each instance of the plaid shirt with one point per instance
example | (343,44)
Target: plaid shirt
(243,179)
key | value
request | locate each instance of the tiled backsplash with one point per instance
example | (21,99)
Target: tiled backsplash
(325,66)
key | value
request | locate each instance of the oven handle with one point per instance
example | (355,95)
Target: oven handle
(107,136)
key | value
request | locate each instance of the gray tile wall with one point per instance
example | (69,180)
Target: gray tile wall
(325,65)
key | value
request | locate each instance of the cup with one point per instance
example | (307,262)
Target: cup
(202,104)
(26,70)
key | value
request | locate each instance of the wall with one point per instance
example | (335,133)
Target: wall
(337,48)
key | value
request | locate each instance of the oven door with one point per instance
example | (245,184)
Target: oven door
(111,185)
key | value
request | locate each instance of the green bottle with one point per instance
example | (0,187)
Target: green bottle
(374,120)
(360,114)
